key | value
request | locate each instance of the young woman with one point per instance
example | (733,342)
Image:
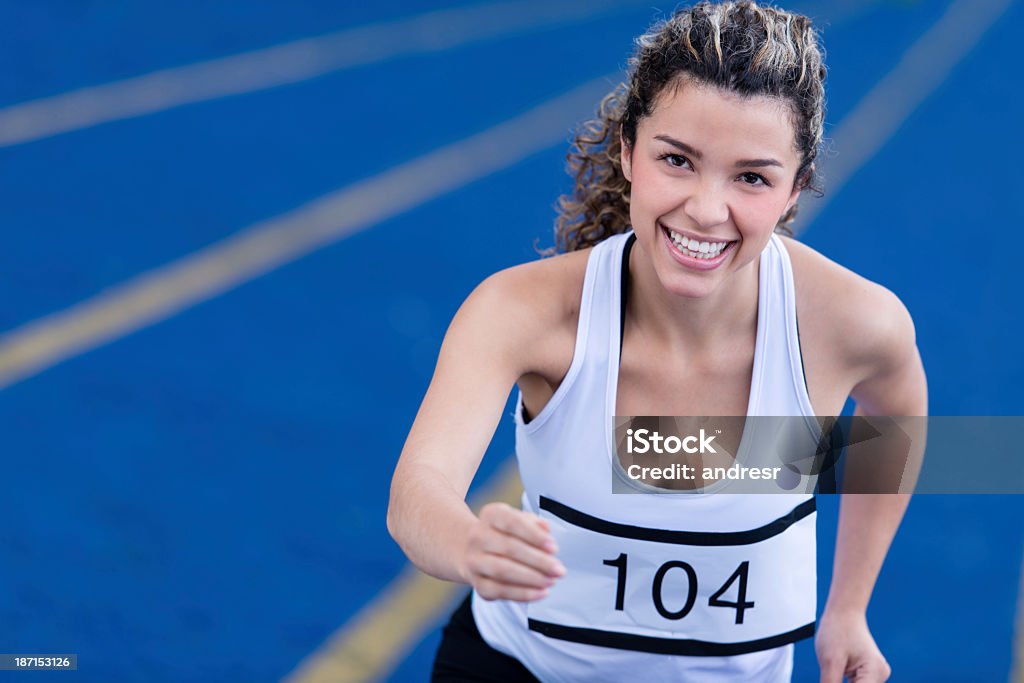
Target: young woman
(676,296)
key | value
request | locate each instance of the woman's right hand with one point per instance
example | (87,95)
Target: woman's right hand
(514,323)
(510,555)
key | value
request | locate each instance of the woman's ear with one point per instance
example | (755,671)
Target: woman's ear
(793,197)
(798,188)
(625,157)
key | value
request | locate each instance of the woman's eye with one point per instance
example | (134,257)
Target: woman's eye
(753,179)
(675,160)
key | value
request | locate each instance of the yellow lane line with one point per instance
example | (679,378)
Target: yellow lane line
(377,638)
(920,71)
(291,62)
(167,290)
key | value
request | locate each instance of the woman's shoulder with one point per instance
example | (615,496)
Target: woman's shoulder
(811,267)
(535,305)
(863,320)
(548,287)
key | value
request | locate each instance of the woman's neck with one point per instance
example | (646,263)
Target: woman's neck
(691,325)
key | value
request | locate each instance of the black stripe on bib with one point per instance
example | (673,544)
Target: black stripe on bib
(666,646)
(706,538)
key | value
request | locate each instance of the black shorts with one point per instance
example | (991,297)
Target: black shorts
(464,657)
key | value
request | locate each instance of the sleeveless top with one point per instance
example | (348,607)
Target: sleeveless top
(683,586)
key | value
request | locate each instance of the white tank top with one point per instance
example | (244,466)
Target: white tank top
(670,587)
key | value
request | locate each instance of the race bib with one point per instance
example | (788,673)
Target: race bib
(680,592)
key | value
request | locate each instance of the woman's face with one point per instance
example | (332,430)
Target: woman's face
(711,175)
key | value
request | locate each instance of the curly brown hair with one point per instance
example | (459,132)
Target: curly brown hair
(740,47)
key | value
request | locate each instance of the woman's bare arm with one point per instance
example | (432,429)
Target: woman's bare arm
(504,553)
(894,384)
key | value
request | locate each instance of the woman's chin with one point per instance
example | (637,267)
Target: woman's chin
(689,287)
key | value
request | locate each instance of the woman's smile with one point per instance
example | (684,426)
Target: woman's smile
(696,254)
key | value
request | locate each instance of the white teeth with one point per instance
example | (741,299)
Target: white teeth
(701,250)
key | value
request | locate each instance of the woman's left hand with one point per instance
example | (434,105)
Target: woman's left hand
(844,646)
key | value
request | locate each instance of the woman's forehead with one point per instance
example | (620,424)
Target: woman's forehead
(705,116)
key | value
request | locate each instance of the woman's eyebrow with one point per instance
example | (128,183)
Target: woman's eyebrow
(680,145)
(695,153)
(758,162)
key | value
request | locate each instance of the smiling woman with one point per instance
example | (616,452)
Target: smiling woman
(679,295)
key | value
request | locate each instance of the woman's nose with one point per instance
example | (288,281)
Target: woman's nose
(706,206)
